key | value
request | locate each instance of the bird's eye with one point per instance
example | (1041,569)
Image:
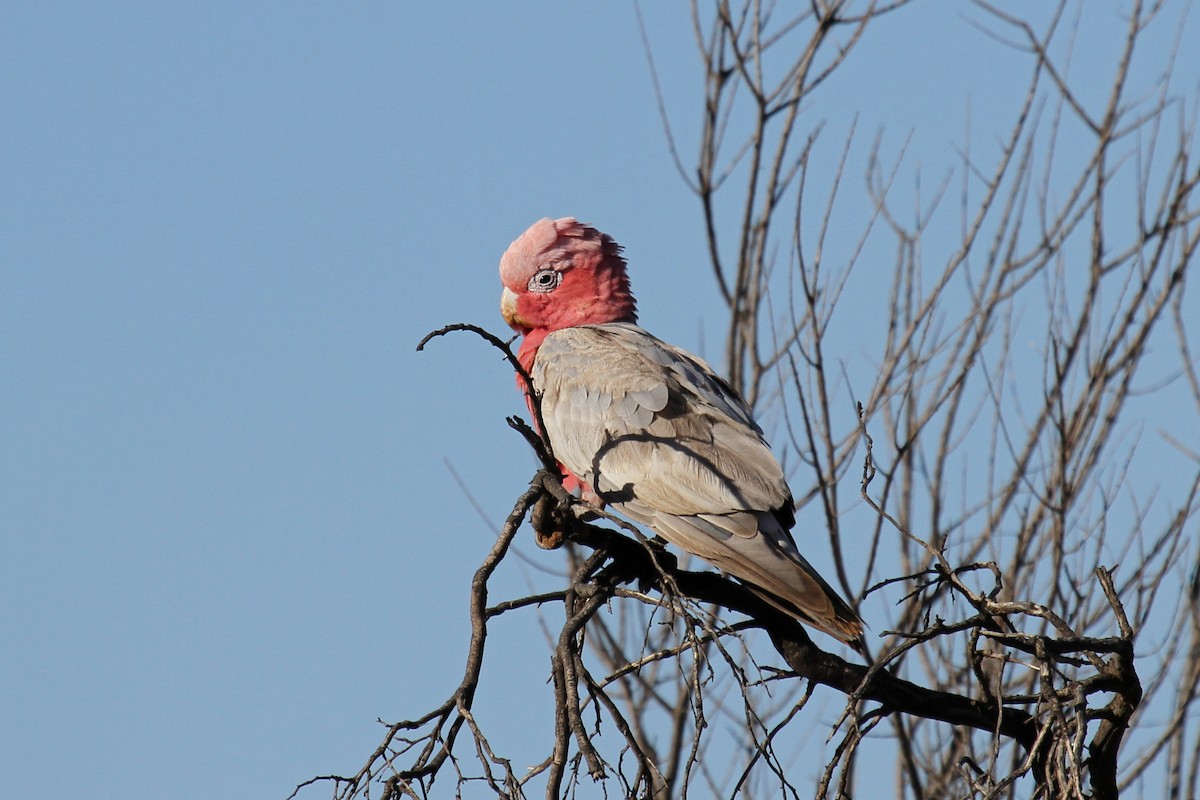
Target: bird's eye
(545,280)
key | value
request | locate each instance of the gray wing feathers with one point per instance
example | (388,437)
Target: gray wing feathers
(626,412)
(638,407)
(657,435)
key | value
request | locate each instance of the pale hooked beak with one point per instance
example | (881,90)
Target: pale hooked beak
(508,308)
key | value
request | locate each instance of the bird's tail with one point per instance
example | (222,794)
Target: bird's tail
(756,549)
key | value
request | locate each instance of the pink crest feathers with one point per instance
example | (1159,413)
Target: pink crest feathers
(557,244)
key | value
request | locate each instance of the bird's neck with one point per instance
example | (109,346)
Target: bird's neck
(615,300)
(530,343)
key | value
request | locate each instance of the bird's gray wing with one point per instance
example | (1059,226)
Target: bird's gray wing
(656,434)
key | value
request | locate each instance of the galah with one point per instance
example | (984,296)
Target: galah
(649,429)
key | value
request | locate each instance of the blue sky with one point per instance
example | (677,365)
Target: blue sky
(232,532)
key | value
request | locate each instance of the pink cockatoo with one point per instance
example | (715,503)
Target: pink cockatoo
(649,429)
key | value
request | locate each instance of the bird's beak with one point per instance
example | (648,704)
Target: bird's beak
(508,308)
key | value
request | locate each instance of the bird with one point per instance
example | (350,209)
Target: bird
(650,430)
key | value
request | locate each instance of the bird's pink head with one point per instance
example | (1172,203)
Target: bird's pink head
(562,273)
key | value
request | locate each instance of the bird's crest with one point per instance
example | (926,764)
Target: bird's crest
(558,244)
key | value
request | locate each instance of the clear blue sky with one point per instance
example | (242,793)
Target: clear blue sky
(231,539)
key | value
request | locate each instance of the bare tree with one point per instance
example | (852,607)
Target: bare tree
(991,491)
